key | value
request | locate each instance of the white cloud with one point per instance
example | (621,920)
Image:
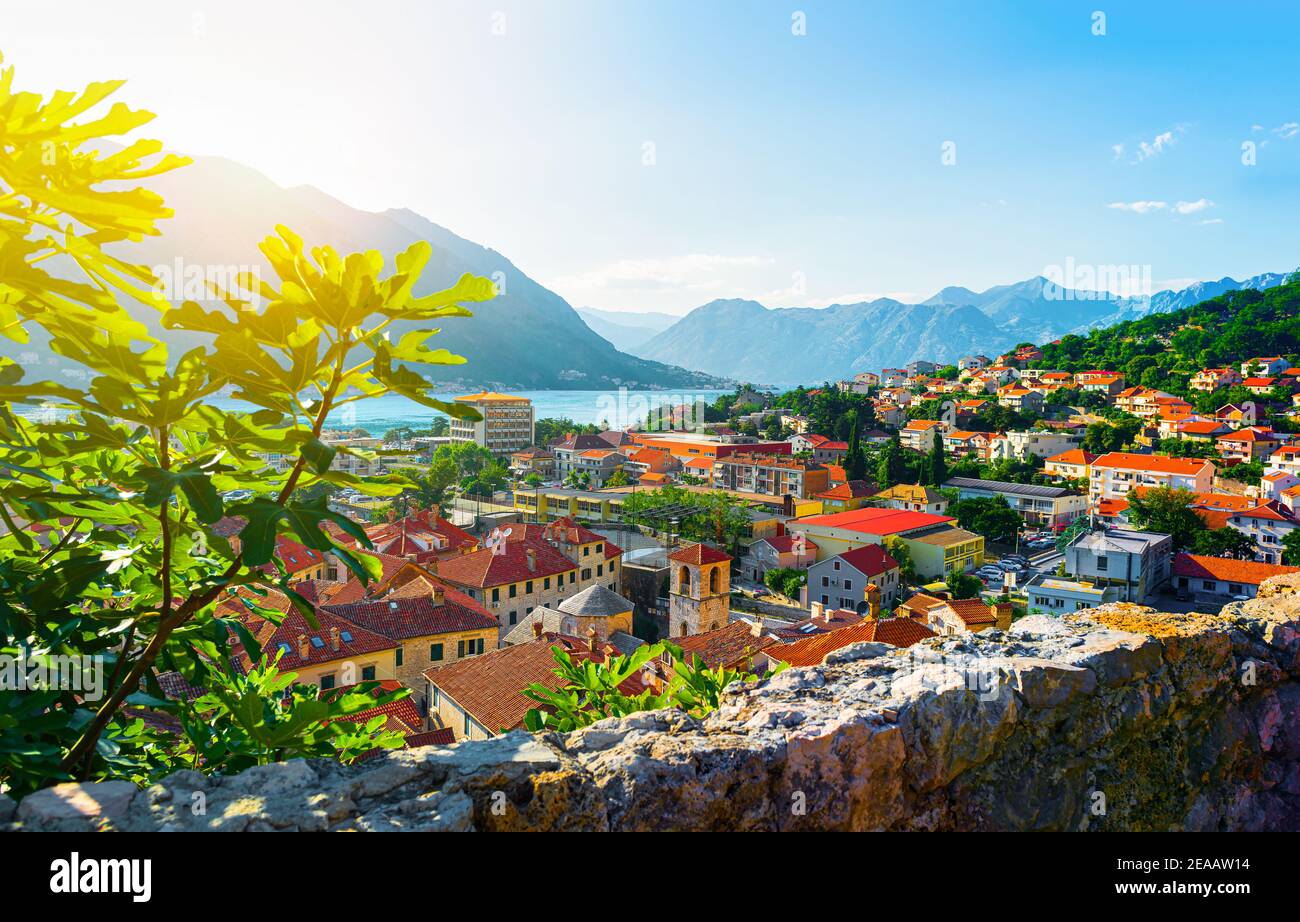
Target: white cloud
(1211,221)
(1155,147)
(1192,207)
(1287,131)
(1138,207)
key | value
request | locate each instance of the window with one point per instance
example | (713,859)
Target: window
(513,618)
(600,569)
(1207,584)
(546,583)
(826,581)
(586,551)
(573,574)
(1102,563)
(848,583)
(586,574)
(826,600)
(399,656)
(836,564)
(496,594)
(460,644)
(513,590)
(367,673)
(467,725)
(435,652)
(528,587)
(327,681)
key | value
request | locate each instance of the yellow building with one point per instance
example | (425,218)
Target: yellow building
(936,543)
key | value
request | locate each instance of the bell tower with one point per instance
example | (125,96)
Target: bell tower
(699,590)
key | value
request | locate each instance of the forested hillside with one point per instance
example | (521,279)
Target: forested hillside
(1164,350)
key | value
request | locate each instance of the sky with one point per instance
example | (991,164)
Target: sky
(638,156)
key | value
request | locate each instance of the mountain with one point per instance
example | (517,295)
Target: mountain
(626,329)
(803,344)
(749,342)
(526,338)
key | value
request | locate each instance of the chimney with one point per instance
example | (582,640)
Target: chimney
(303,648)
(537,628)
(334,637)
(873,601)
(591,638)
(757,627)
(532,559)
(815,609)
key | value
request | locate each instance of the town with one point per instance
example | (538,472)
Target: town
(776,528)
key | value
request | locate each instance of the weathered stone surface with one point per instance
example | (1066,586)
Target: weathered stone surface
(1117,718)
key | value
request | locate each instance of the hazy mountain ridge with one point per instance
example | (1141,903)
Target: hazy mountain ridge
(527,337)
(748,341)
(626,330)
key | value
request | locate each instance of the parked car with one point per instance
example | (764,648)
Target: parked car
(1010,566)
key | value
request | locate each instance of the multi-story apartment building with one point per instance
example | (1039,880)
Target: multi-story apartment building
(1071,464)
(774,475)
(920,434)
(1020,445)
(1249,444)
(1015,397)
(1105,382)
(1211,379)
(1134,563)
(1115,473)
(1043,507)
(1285,459)
(506,425)
(961,443)
(1264,365)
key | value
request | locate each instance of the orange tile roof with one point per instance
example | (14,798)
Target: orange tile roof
(1154,463)
(1253,434)
(731,646)
(811,651)
(853,489)
(490,687)
(1226,569)
(1073,456)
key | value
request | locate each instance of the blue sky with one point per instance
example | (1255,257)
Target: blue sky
(794,169)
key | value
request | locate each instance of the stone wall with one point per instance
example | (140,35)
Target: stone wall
(1118,718)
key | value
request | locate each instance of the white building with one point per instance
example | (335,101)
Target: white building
(506,424)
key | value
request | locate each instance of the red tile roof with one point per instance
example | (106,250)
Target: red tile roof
(877,521)
(358,642)
(699,554)
(870,560)
(508,563)
(1225,569)
(420,616)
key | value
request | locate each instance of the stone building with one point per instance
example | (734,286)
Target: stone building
(700,595)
